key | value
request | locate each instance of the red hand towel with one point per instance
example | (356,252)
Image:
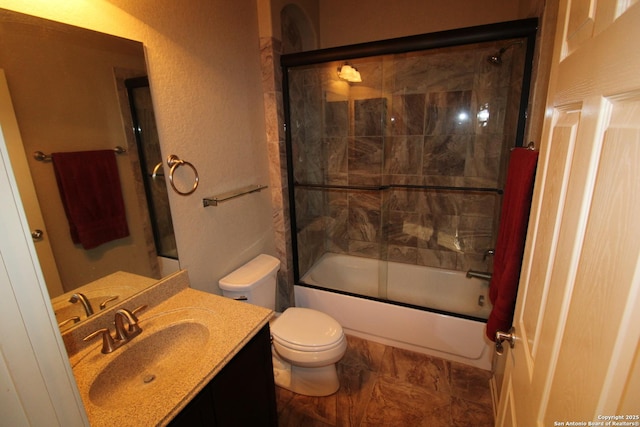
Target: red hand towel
(91,195)
(512,232)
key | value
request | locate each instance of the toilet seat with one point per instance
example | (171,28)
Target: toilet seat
(303,329)
(306,348)
(311,359)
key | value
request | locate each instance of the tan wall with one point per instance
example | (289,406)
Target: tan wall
(64,95)
(204,71)
(344,22)
(309,8)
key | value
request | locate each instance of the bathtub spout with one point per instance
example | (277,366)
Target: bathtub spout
(478,274)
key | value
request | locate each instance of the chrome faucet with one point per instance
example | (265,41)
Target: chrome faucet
(85,302)
(479,275)
(484,275)
(123,333)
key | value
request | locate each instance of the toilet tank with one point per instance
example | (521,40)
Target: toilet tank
(254,282)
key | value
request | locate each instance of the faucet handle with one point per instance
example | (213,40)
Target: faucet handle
(108,345)
(133,328)
(488,252)
(104,303)
(138,309)
(74,319)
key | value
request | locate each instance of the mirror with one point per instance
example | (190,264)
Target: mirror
(73,89)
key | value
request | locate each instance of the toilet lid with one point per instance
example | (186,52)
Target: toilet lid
(305,328)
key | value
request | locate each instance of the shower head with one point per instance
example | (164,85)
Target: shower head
(496,58)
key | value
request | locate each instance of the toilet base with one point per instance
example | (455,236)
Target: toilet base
(321,381)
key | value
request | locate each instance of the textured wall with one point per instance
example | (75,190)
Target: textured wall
(205,76)
(344,22)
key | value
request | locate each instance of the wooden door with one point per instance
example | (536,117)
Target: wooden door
(28,196)
(577,320)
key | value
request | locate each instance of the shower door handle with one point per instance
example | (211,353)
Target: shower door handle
(509,337)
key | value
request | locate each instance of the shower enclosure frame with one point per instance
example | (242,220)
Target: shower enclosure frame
(523,29)
(158,199)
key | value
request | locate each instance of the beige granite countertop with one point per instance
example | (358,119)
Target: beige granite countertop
(232,324)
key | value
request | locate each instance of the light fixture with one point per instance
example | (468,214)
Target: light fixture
(463,116)
(349,73)
(483,115)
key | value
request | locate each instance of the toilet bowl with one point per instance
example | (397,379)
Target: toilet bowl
(306,343)
(306,346)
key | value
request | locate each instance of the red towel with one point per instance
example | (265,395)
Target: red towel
(512,232)
(91,195)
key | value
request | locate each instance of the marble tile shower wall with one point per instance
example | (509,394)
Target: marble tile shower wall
(413,120)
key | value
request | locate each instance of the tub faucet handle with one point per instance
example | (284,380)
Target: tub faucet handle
(488,252)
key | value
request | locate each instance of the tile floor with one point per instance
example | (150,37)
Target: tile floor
(387,386)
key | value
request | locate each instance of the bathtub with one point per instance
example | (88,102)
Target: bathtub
(451,328)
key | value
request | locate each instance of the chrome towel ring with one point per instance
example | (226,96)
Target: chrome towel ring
(174,162)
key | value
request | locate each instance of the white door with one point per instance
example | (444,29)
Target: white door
(37,387)
(577,322)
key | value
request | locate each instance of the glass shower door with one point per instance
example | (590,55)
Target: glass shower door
(338,192)
(151,165)
(403,165)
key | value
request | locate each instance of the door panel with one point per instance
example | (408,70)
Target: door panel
(555,167)
(576,321)
(580,23)
(508,414)
(604,279)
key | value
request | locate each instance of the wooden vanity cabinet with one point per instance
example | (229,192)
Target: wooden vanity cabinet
(241,394)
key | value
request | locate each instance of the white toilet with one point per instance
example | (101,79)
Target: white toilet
(306,344)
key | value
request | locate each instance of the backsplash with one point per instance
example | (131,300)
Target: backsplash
(151,296)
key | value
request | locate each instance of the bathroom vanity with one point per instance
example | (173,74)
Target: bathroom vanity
(200,359)
(241,394)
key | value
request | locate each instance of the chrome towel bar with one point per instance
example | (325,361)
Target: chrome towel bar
(41,157)
(213,201)
(398,186)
